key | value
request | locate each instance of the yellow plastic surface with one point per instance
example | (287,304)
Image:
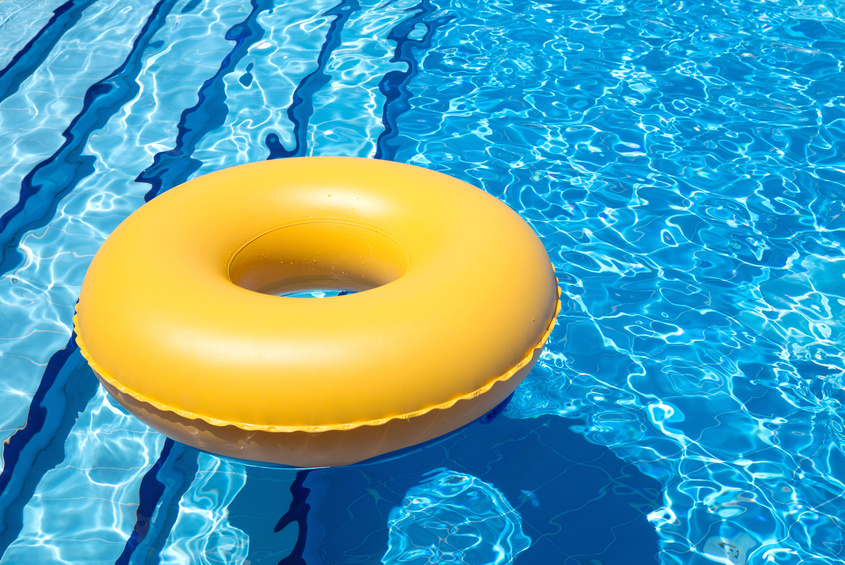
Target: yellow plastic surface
(174,318)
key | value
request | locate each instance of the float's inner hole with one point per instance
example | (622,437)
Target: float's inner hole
(321,255)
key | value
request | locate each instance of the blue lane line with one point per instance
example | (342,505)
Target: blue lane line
(190,6)
(150,495)
(65,389)
(394,85)
(173,167)
(162,488)
(302,107)
(177,474)
(52,179)
(298,512)
(13,448)
(39,47)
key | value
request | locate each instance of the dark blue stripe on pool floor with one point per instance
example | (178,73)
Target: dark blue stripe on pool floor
(150,495)
(302,107)
(160,494)
(25,61)
(394,85)
(298,513)
(65,389)
(161,489)
(58,175)
(191,6)
(175,166)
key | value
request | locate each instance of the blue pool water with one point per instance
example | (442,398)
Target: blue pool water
(682,161)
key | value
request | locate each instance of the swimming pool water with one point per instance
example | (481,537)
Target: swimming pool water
(681,160)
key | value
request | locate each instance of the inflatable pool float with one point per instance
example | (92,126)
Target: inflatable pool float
(183,319)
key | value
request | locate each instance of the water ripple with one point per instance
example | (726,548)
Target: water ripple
(454,518)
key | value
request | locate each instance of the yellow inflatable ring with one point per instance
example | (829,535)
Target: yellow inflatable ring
(178,317)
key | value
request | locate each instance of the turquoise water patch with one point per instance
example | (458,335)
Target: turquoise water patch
(457,518)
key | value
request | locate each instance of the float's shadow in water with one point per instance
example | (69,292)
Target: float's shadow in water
(576,501)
